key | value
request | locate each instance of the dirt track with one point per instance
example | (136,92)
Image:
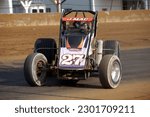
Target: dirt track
(17,42)
(134,85)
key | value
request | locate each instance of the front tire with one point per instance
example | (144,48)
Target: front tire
(110,71)
(34,71)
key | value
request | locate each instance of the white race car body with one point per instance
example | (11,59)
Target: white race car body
(75,58)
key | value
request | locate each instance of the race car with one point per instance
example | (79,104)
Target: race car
(77,55)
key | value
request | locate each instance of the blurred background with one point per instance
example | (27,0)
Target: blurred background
(43,6)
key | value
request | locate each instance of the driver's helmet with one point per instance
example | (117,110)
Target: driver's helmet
(80,25)
(77,24)
(84,26)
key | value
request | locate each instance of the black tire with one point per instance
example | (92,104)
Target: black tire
(34,71)
(110,71)
(46,46)
(111,47)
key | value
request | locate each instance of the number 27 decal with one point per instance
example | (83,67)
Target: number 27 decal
(72,59)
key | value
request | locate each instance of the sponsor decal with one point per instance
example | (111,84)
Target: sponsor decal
(78,19)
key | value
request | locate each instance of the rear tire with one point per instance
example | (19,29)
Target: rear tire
(34,71)
(110,71)
(111,47)
(46,46)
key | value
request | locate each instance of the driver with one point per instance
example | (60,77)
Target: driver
(83,26)
(76,24)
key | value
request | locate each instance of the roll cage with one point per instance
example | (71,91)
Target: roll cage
(80,17)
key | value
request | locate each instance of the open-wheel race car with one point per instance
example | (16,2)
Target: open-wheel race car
(77,55)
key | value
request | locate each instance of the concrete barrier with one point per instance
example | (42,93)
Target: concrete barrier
(10,20)
(124,16)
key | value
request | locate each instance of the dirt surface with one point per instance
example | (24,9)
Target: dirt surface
(130,35)
(134,85)
(17,42)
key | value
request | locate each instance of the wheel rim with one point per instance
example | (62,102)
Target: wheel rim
(115,71)
(40,70)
